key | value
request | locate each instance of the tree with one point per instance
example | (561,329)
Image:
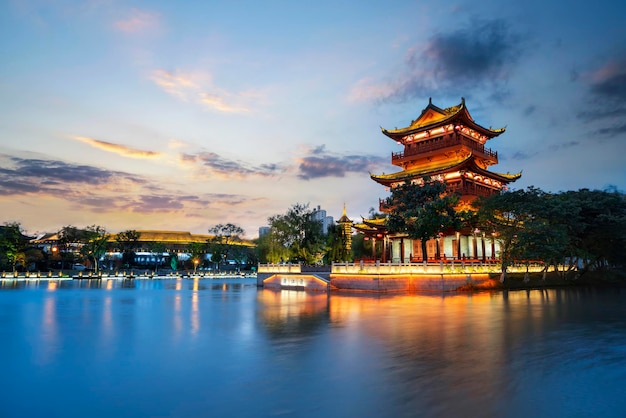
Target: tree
(156,250)
(530,225)
(35,257)
(225,238)
(587,227)
(94,241)
(422,211)
(598,231)
(174,261)
(299,233)
(69,238)
(336,244)
(239,254)
(270,250)
(505,215)
(13,245)
(196,251)
(127,240)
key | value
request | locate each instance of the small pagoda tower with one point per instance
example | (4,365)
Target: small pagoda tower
(445,145)
(346,230)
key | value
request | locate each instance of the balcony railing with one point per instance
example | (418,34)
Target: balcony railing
(441,143)
(470,189)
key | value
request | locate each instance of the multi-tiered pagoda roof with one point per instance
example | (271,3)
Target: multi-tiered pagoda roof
(448,145)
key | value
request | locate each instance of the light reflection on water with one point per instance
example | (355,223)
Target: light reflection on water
(188,348)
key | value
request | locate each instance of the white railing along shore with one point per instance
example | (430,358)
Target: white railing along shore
(406,268)
(429,267)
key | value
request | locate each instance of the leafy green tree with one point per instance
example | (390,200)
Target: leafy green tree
(506,215)
(225,240)
(299,233)
(127,240)
(13,245)
(548,234)
(156,250)
(376,215)
(360,247)
(240,254)
(270,250)
(251,257)
(598,232)
(565,228)
(95,240)
(421,211)
(35,257)
(336,244)
(174,263)
(68,242)
(197,250)
(530,226)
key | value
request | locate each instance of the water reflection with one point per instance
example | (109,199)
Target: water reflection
(191,348)
(291,313)
(49,332)
(485,354)
(195,319)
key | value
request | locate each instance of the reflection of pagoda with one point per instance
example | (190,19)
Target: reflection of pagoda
(445,145)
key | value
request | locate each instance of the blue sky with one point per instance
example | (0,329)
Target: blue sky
(182,115)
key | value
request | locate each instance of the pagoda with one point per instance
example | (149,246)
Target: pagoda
(446,145)
(346,230)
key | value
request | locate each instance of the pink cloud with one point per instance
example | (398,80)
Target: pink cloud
(138,21)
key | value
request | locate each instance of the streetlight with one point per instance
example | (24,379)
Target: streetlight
(54,250)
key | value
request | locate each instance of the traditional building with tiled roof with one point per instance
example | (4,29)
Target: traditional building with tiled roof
(449,146)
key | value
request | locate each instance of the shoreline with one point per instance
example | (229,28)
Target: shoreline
(553,280)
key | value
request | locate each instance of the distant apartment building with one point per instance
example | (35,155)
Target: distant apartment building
(319,215)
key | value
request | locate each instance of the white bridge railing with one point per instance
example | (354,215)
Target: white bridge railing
(279,268)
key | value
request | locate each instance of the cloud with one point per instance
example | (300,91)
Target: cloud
(520,156)
(117,148)
(475,57)
(609,81)
(319,163)
(24,176)
(138,21)
(611,131)
(176,143)
(529,110)
(606,98)
(565,145)
(179,85)
(213,101)
(99,190)
(224,167)
(183,203)
(198,88)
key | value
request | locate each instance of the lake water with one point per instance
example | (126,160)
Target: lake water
(223,348)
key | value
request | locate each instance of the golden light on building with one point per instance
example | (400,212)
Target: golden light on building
(445,145)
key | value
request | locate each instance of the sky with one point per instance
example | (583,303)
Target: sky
(185,115)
